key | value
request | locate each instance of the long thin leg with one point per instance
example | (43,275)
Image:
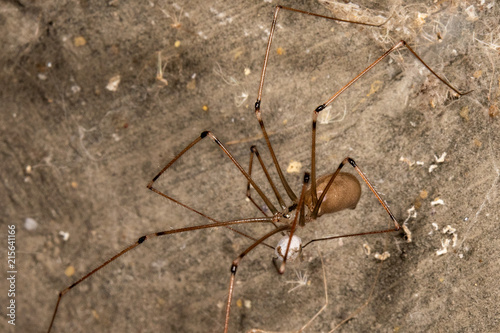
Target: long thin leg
(314,213)
(344,88)
(250,180)
(234,267)
(258,113)
(169,164)
(142,239)
(255,152)
(281,269)
(372,288)
(271,35)
(349,160)
(248,193)
(228,154)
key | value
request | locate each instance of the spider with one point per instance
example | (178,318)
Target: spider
(318,196)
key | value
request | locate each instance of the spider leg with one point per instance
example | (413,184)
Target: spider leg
(344,88)
(248,193)
(258,112)
(254,151)
(188,147)
(349,160)
(234,267)
(281,268)
(142,239)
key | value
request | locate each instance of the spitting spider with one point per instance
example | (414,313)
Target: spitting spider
(319,195)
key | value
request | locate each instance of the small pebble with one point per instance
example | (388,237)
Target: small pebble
(30,224)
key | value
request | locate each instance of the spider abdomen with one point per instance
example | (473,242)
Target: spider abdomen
(344,193)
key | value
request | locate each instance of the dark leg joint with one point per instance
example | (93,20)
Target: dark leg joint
(351,162)
(307,177)
(141,239)
(154,179)
(257,105)
(254,150)
(204,134)
(320,108)
(216,140)
(233,269)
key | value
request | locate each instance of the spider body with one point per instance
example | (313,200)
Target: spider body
(343,194)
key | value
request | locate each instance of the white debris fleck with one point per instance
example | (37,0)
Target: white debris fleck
(448,230)
(247,71)
(471,13)
(410,162)
(440,159)
(408,233)
(406,160)
(382,256)
(445,243)
(452,231)
(432,167)
(30,224)
(421,18)
(437,201)
(64,235)
(202,34)
(367,249)
(294,167)
(412,213)
(75,88)
(113,83)
(436,227)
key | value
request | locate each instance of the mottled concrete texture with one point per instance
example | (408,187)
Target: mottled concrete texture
(78,149)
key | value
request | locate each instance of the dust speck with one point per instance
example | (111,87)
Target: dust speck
(79,41)
(69,271)
(113,83)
